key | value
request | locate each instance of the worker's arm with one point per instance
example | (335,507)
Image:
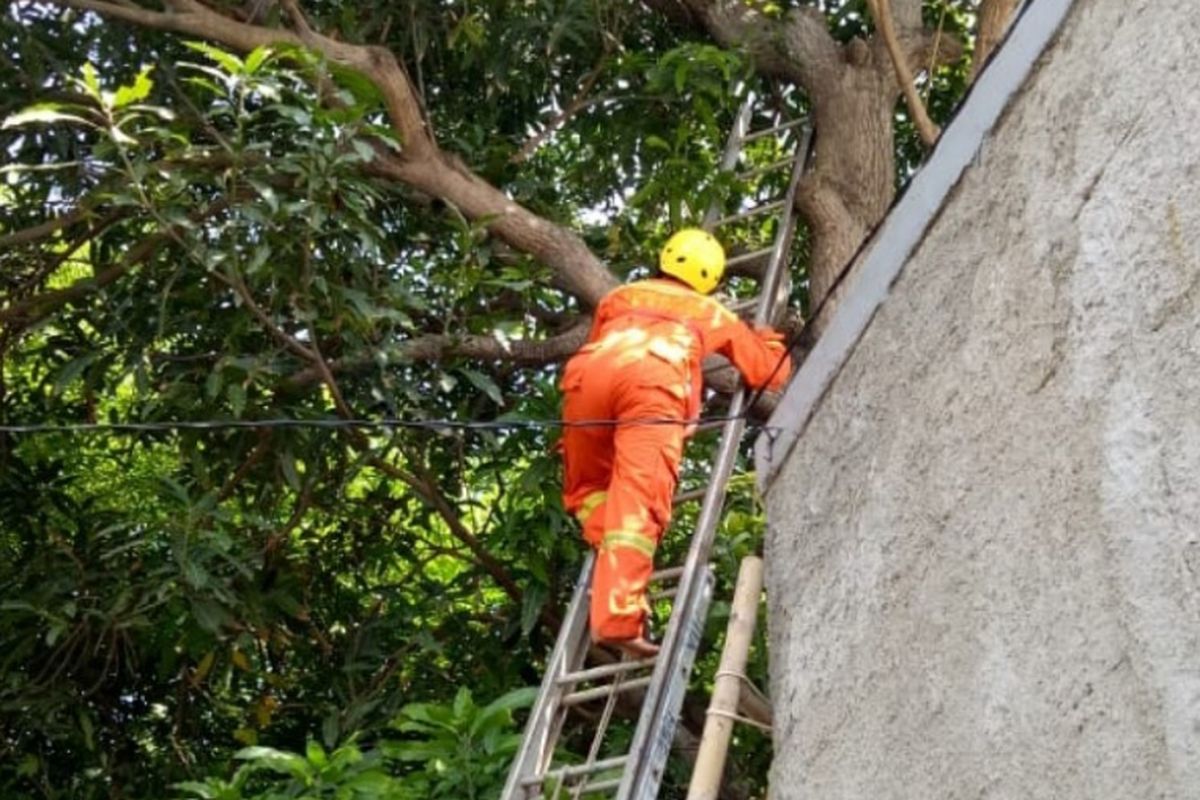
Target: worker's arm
(760,355)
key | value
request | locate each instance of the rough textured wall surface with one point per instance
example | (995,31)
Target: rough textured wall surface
(984,551)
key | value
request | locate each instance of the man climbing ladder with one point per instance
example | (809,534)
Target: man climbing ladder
(638,377)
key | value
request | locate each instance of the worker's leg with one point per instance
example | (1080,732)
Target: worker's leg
(587,453)
(636,511)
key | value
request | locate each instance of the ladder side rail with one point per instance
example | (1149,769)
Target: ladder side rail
(777,271)
(641,782)
(637,781)
(531,755)
(733,148)
(652,763)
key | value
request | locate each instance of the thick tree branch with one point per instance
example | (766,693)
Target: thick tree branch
(421,163)
(434,347)
(798,47)
(576,269)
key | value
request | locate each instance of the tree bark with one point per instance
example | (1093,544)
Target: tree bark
(994,16)
(853,91)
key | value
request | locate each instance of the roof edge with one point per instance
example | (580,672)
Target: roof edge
(883,259)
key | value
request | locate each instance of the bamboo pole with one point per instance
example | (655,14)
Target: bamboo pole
(718,727)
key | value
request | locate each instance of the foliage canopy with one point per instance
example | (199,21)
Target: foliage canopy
(196,232)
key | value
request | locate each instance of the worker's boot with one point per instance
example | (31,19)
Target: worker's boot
(638,647)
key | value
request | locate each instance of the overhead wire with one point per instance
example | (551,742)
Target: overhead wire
(384,423)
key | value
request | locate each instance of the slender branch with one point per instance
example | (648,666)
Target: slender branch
(43,229)
(435,347)
(882,12)
(51,266)
(573,107)
(437,501)
(19,316)
(256,455)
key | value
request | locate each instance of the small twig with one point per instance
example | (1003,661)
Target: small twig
(937,41)
(881,10)
(256,455)
(239,287)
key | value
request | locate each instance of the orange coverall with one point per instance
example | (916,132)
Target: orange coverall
(642,362)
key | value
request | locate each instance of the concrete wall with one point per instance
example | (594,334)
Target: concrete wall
(984,551)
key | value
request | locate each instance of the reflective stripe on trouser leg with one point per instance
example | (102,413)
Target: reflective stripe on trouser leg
(624,563)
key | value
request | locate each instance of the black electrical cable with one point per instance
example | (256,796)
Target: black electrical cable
(438,425)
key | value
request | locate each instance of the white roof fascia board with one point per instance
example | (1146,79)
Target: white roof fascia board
(904,227)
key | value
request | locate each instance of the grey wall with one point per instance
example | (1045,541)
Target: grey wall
(983,552)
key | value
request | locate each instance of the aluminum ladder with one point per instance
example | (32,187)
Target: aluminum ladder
(658,684)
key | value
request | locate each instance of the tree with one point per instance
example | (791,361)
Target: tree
(250,212)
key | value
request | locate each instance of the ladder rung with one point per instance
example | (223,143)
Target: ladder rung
(576,771)
(689,496)
(668,574)
(602,786)
(752,255)
(750,137)
(754,173)
(587,695)
(595,673)
(751,212)
(665,594)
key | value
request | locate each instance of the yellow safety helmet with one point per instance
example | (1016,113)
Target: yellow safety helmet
(695,257)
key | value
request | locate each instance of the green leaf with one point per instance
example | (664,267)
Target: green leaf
(463,702)
(330,729)
(89,731)
(258,56)
(657,143)
(228,62)
(43,113)
(276,760)
(315,754)
(72,371)
(29,766)
(484,384)
(236,393)
(373,783)
(210,615)
(531,607)
(139,90)
(365,152)
(90,82)
(288,463)
(202,790)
